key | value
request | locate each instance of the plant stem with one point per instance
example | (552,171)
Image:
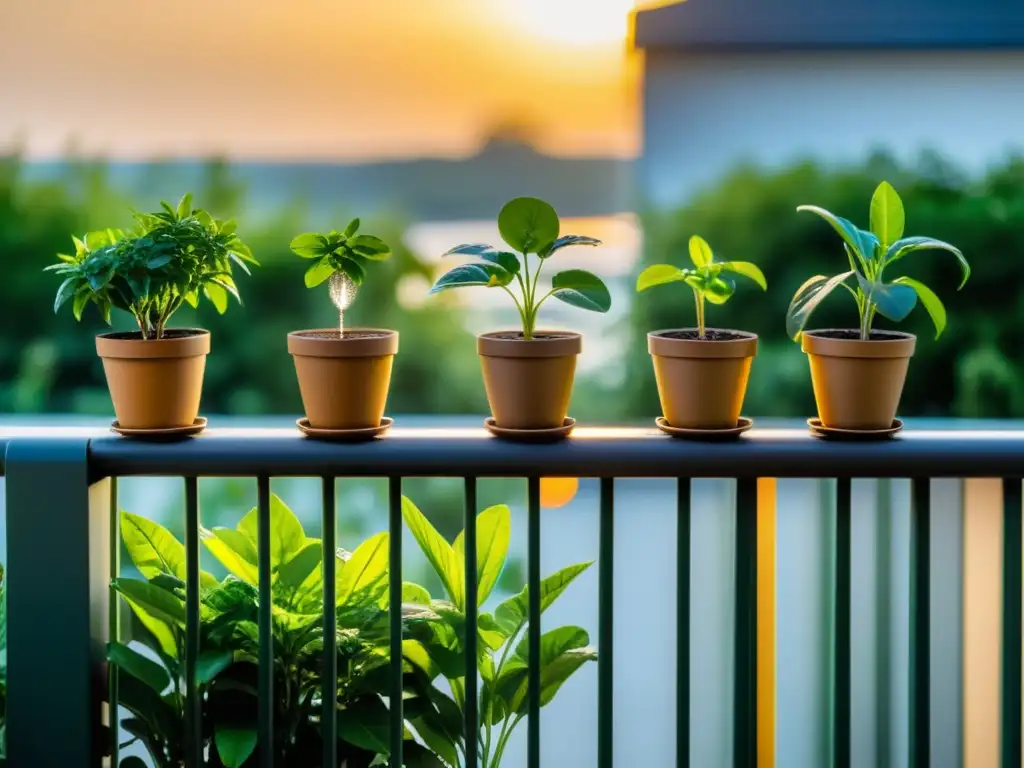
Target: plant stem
(527,300)
(698,299)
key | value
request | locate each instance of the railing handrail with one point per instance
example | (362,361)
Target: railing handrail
(590,452)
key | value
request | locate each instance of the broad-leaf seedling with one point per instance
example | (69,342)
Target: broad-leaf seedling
(706,279)
(169,259)
(528,226)
(869,254)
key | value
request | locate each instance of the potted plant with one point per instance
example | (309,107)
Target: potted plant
(858,374)
(169,259)
(344,374)
(528,373)
(702,372)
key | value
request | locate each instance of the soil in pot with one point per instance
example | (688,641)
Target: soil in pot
(529,381)
(344,377)
(155,383)
(858,383)
(702,381)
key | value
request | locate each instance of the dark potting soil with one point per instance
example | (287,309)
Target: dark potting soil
(518,336)
(346,335)
(855,335)
(710,334)
(170,333)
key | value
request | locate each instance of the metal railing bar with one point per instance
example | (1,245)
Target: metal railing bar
(193,700)
(745,649)
(329,716)
(533,627)
(920,622)
(397,719)
(683,559)
(607,453)
(1012,635)
(606,631)
(471,703)
(841,656)
(265,616)
(114,625)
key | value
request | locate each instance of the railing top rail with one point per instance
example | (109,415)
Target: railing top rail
(590,452)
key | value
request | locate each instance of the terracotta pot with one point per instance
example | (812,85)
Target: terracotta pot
(702,382)
(529,383)
(857,384)
(344,380)
(155,384)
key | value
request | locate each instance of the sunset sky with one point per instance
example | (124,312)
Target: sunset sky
(324,79)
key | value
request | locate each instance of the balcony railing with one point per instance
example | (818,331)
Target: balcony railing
(66,480)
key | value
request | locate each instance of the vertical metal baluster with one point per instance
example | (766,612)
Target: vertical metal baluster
(920,623)
(745,665)
(193,701)
(606,612)
(397,726)
(328,716)
(683,497)
(266,660)
(841,659)
(471,707)
(1012,637)
(114,628)
(533,617)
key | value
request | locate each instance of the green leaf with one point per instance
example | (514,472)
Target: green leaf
(582,289)
(159,261)
(142,701)
(286,535)
(887,216)
(227,227)
(414,593)
(746,269)
(212,663)
(862,243)
(469,249)
(931,302)
(554,643)
(719,290)
(370,247)
(234,743)
(134,663)
(319,272)
(562,652)
(493,531)
(217,296)
(366,572)
(65,292)
(567,241)
(489,275)
(436,740)
(310,245)
(352,228)
(528,225)
(901,248)
(353,269)
(234,550)
(292,574)
(807,298)
(365,723)
(154,550)
(185,207)
(417,756)
(894,301)
(507,261)
(161,630)
(158,602)
(438,552)
(700,252)
(659,274)
(511,614)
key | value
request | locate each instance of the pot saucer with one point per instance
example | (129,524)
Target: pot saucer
(531,435)
(345,435)
(170,433)
(705,435)
(853,435)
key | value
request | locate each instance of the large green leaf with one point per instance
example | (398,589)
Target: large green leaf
(659,274)
(310,245)
(581,289)
(511,615)
(162,631)
(566,241)
(529,225)
(319,272)
(293,574)
(894,301)
(507,261)
(493,531)
(365,723)
(562,652)
(234,743)
(370,247)
(414,593)
(235,552)
(154,550)
(700,252)
(746,269)
(931,303)
(439,552)
(212,663)
(887,216)
(134,663)
(436,740)
(907,245)
(286,534)
(862,243)
(807,298)
(719,290)
(142,701)
(554,643)
(65,292)
(465,275)
(366,572)
(158,602)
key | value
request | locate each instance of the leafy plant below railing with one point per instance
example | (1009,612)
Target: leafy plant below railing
(437,650)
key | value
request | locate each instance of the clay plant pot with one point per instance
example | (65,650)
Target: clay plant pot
(857,384)
(344,379)
(702,382)
(529,382)
(155,383)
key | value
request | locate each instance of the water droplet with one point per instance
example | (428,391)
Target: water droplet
(343,293)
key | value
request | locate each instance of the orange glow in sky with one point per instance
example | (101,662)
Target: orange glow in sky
(347,80)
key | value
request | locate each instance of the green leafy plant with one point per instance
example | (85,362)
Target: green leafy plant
(869,254)
(438,647)
(528,226)
(171,258)
(346,252)
(706,279)
(151,685)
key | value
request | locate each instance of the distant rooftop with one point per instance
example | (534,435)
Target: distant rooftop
(747,24)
